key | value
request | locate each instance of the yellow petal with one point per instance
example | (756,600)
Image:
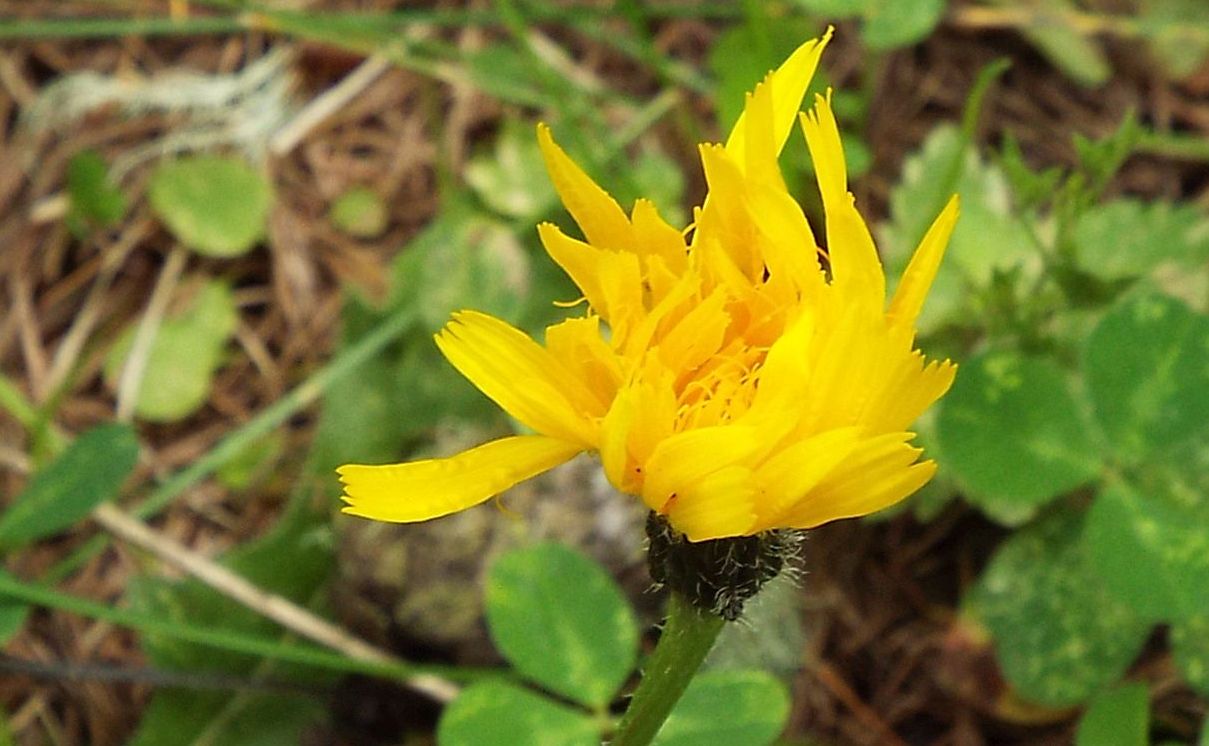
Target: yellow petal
(654,237)
(788,85)
(790,474)
(686,458)
(878,473)
(610,280)
(724,218)
(917,279)
(910,388)
(599,216)
(615,429)
(784,378)
(760,150)
(417,491)
(519,375)
(718,505)
(856,270)
(789,248)
(695,337)
(577,342)
(826,151)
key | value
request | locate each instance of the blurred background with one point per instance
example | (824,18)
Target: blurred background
(229,229)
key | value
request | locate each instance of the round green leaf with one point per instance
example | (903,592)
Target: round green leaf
(1190,648)
(360,212)
(94,200)
(1059,634)
(1119,716)
(1152,553)
(561,620)
(1011,431)
(494,713)
(217,206)
(1128,238)
(512,180)
(89,472)
(1147,368)
(727,708)
(899,23)
(187,350)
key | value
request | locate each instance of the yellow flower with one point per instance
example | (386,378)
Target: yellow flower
(741,381)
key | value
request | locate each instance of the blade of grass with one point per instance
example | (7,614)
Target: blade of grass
(235,641)
(94,28)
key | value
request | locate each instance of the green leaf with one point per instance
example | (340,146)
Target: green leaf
(1011,431)
(1120,716)
(12,615)
(217,206)
(504,72)
(727,708)
(988,237)
(181,717)
(1147,369)
(1076,54)
(1060,636)
(1177,34)
(1151,553)
(495,713)
(187,350)
(93,198)
(1127,238)
(1032,188)
(1100,159)
(463,259)
(360,212)
(889,24)
(835,8)
(88,473)
(511,180)
(561,620)
(1190,648)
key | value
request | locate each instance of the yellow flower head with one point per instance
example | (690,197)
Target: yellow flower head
(739,381)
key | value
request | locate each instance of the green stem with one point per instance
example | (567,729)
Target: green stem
(687,638)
